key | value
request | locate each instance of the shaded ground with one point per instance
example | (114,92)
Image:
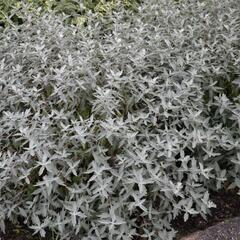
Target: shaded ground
(14,232)
(17,233)
(228,206)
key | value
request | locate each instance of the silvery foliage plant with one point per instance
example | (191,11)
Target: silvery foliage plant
(113,129)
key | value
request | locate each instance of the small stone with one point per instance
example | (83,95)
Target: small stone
(193,236)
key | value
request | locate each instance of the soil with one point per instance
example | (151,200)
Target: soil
(228,206)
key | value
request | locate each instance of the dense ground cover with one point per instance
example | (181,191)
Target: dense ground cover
(112,129)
